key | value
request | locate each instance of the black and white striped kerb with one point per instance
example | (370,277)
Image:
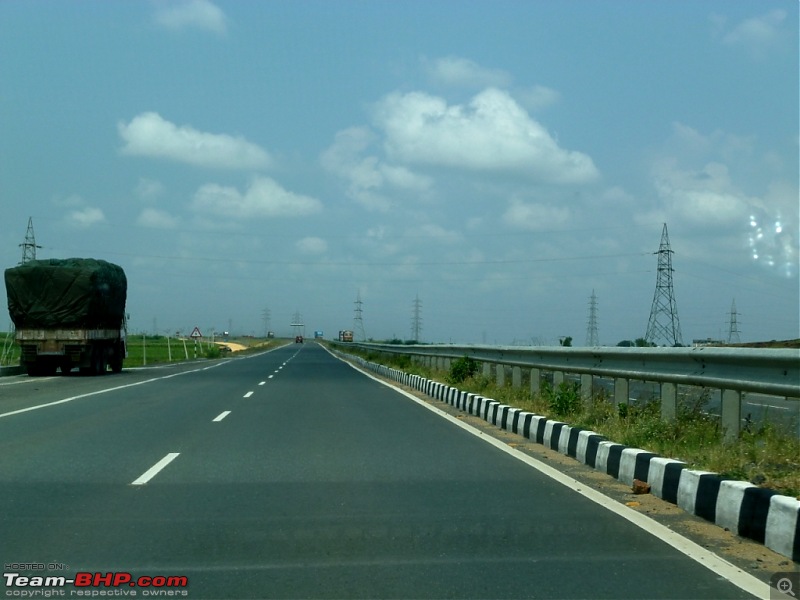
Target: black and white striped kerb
(756,513)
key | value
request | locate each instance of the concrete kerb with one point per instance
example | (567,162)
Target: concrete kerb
(756,513)
(17,370)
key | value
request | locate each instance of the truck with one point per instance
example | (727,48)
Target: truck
(67,314)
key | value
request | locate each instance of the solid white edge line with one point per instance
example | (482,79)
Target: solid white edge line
(127,385)
(153,471)
(696,552)
(221,416)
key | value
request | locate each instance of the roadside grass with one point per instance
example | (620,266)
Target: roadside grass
(764,454)
(148,350)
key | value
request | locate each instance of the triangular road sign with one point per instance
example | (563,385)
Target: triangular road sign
(196,333)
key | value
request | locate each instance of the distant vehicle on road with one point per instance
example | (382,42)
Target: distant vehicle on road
(346,336)
(298,339)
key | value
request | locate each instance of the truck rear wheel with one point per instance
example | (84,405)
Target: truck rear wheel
(98,360)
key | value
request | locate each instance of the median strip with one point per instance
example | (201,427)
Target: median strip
(154,470)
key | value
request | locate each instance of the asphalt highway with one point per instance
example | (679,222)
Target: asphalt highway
(290,474)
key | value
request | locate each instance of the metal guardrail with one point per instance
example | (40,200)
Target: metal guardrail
(733,371)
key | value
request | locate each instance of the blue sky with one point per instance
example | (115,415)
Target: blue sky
(501,161)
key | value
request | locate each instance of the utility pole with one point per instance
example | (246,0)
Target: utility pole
(733,328)
(358,319)
(29,246)
(664,323)
(416,319)
(592,338)
(265,316)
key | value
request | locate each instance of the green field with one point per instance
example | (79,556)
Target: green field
(153,349)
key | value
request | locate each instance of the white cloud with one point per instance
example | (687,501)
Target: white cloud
(85,217)
(79,214)
(402,177)
(758,30)
(455,71)
(153,217)
(191,14)
(264,198)
(538,97)
(687,142)
(368,176)
(148,134)
(702,197)
(71,201)
(755,34)
(312,245)
(522,215)
(437,233)
(491,133)
(149,189)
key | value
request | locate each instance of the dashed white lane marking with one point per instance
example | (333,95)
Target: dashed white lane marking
(153,471)
(106,390)
(248,394)
(221,416)
(271,376)
(262,382)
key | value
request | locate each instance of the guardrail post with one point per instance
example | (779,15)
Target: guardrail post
(516,377)
(621,391)
(558,378)
(447,364)
(669,401)
(487,370)
(731,414)
(500,370)
(536,381)
(586,387)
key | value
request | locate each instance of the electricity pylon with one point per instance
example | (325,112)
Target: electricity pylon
(416,319)
(733,328)
(592,338)
(29,245)
(664,323)
(358,319)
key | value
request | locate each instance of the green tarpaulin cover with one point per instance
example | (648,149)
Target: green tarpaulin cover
(66,293)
